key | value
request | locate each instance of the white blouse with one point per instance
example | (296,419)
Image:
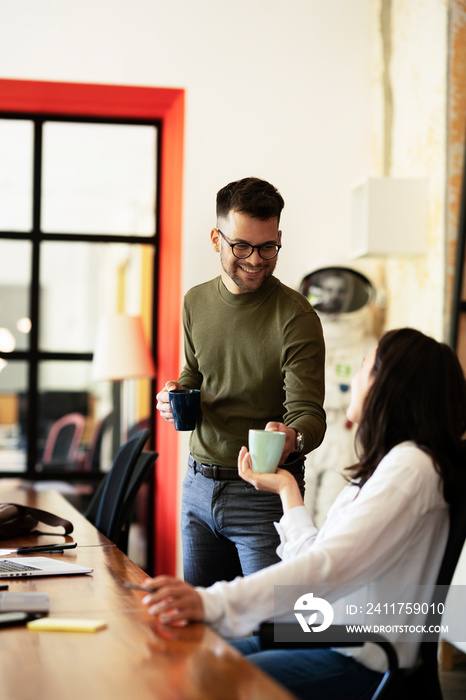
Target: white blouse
(391,532)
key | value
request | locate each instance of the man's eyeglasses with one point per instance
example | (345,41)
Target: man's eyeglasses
(267,251)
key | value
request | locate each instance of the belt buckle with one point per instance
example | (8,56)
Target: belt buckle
(215,471)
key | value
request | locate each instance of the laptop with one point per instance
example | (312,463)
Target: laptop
(38,566)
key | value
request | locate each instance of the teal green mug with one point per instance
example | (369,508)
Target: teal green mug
(265,448)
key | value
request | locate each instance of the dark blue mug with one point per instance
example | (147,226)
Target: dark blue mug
(185,405)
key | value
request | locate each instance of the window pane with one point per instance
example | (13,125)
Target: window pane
(15,277)
(80,282)
(67,388)
(13,416)
(99,178)
(16,161)
(63,390)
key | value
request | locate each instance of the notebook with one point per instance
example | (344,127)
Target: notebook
(38,566)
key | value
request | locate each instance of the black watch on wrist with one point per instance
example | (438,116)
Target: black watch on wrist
(299,444)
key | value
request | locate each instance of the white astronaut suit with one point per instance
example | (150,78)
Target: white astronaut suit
(343,299)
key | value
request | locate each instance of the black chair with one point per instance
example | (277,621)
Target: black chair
(78,494)
(422,681)
(63,441)
(92,460)
(143,466)
(107,504)
(141,424)
(91,511)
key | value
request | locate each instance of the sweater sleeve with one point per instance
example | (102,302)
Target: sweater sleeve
(303,369)
(190,377)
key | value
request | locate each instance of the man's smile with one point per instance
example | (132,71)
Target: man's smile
(250,270)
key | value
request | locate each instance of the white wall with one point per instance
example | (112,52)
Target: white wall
(417,147)
(275,89)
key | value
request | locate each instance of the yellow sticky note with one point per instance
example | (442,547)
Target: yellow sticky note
(58,624)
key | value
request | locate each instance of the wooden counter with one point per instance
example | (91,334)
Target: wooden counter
(133,657)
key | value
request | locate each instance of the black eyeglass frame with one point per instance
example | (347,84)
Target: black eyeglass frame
(253,247)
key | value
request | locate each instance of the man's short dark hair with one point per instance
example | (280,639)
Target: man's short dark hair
(256,198)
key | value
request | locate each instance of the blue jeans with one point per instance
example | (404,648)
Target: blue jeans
(313,673)
(227,529)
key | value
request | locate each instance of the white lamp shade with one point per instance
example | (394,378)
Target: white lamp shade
(121,350)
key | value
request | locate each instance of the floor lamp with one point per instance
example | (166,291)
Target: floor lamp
(121,352)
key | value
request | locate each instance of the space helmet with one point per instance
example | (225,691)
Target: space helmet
(336,289)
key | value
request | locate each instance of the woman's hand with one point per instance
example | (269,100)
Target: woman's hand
(275,483)
(281,482)
(172,601)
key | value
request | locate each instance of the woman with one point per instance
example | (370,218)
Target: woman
(388,527)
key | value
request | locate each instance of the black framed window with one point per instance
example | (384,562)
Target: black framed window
(78,240)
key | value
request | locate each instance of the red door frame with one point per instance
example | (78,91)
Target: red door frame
(166,104)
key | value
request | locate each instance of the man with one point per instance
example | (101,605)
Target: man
(255,349)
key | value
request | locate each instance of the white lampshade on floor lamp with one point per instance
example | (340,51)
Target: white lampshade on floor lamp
(121,352)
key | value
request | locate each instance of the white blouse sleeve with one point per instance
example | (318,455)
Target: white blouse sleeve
(297,532)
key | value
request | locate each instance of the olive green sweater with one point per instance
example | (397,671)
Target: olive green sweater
(256,357)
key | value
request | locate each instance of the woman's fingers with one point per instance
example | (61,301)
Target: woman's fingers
(244,462)
(173,601)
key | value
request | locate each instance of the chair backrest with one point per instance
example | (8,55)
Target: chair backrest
(456,539)
(116,482)
(93,506)
(64,438)
(144,463)
(139,425)
(424,681)
(93,454)
(143,466)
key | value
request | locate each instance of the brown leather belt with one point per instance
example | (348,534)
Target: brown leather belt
(213,471)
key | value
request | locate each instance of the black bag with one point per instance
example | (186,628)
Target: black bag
(17,520)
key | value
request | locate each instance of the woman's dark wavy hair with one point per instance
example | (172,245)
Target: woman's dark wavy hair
(418,394)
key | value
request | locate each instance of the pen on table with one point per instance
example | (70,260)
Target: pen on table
(139,587)
(46,548)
